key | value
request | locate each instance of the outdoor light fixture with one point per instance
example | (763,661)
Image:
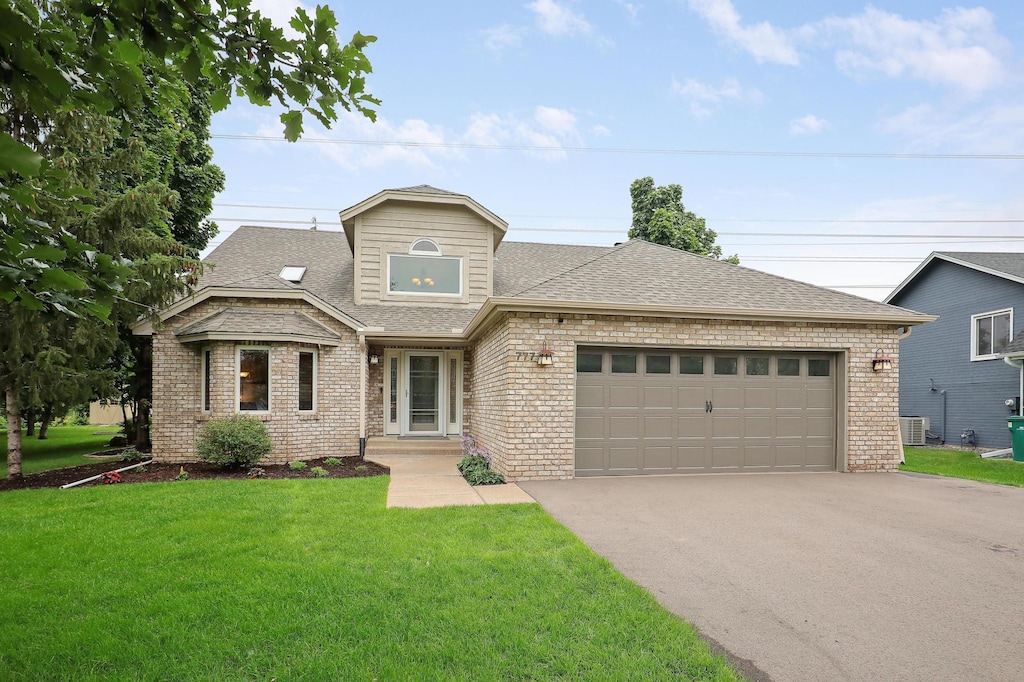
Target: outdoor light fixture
(244,375)
(881,363)
(545,357)
(374,359)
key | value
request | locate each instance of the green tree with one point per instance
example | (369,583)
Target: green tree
(659,216)
(93,235)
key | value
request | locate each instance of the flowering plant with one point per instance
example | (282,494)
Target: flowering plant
(111,477)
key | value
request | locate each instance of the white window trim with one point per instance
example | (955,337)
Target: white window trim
(391,292)
(414,252)
(316,365)
(238,383)
(974,333)
(204,393)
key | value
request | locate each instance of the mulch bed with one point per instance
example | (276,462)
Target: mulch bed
(350,467)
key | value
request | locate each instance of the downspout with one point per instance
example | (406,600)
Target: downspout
(1019,364)
(943,394)
(362,395)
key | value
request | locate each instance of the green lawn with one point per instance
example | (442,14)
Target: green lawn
(64,447)
(315,580)
(959,464)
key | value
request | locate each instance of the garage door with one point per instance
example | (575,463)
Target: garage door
(670,411)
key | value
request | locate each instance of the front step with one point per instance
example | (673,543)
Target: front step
(393,445)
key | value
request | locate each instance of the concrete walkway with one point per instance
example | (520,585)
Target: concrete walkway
(421,481)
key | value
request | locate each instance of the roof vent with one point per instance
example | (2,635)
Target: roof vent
(293,273)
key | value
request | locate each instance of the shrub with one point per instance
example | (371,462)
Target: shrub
(296,466)
(235,441)
(332,462)
(484,477)
(80,415)
(131,455)
(471,463)
(257,472)
(182,475)
(3,422)
(319,472)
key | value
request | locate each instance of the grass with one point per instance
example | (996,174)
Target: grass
(315,580)
(64,447)
(959,464)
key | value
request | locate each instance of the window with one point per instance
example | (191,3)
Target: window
(658,364)
(589,362)
(726,365)
(757,366)
(623,364)
(253,379)
(425,246)
(432,275)
(788,367)
(307,382)
(818,367)
(207,365)
(453,390)
(990,332)
(393,391)
(691,364)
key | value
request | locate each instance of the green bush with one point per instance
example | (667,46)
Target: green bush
(484,477)
(296,466)
(3,422)
(235,441)
(131,455)
(319,472)
(332,462)
(471,463)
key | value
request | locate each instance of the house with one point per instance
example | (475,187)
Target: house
(420,321)
(952,370)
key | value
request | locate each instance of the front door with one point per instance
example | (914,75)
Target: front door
(424,411)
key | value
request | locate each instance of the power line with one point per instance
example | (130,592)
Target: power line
(880,221)
(624,150)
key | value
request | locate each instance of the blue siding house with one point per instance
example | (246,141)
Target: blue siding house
(955,370)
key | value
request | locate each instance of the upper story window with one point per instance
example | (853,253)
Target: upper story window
(990,333)
(425,271)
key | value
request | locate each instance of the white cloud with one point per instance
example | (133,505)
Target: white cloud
(502,37)
(960,48)
(600,131)
(957,49)
(704,96)
(996,129)
(559,20)
(548,127)
(808,125)
(632,8)
(763,41)
(556,120)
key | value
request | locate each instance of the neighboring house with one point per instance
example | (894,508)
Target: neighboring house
(108,412)
(419,321)
(952,370)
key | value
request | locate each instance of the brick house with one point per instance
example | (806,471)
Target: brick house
(419,322)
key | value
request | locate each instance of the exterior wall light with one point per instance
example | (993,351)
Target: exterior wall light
(545,357)
(881,363)
(374,359)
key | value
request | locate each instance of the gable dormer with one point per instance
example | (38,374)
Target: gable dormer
(422,245)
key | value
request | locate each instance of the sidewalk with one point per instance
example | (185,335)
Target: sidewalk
(421,481)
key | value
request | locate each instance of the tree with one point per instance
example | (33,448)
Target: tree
(660,217)
(88,238)
(89,56)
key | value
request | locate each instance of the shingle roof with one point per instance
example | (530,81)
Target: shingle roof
(1011,264)
(246,322)
(634,273)
(427,189)
(1015,347)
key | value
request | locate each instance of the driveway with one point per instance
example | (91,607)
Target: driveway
(821,576)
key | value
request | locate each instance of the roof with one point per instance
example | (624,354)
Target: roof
(1015,348)
(420,194)
(247,324)
(634,276)
(1008,266)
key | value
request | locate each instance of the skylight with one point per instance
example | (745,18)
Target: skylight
(293,273)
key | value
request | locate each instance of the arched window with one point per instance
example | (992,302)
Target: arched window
(425,247)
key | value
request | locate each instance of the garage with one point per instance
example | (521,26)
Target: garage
(665,411)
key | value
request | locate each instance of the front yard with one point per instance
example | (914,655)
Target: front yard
(963,464)
(63,447)
(314,579)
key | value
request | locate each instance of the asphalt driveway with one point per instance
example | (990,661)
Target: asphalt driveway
(821,576)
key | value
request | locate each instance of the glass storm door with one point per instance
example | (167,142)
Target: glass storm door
(424,394)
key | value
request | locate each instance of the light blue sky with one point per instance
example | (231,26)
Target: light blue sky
(890,78)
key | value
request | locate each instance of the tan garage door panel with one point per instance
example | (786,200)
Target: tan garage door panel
(664,411)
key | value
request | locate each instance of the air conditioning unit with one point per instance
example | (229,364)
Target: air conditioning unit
(913,429)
